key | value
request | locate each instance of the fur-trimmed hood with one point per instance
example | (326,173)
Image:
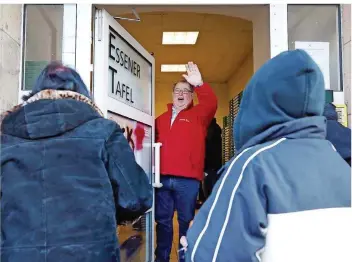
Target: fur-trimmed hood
(68,177)
(48,113)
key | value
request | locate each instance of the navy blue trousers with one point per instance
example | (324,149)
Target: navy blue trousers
(178,194)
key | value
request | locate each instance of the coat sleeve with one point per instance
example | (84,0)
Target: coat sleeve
(208,103)
(232,223)
(132,190)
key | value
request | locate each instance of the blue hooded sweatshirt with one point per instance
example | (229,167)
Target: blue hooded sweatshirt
(337,134)
(68,176)
(282,194)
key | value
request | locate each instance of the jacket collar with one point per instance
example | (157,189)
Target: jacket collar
(50,94)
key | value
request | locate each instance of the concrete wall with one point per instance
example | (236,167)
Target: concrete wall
(240,78)
(10,39)
(221,91)
(346,56)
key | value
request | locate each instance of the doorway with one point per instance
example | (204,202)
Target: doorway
(232,42)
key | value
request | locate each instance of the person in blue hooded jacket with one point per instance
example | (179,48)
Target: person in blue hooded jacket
(286,196)
(68,176)
(337,134)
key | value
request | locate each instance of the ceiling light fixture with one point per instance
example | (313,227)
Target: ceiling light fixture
(180,38)
(173,68)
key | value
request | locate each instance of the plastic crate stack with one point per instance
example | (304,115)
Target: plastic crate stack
(228,145)
(234,112)
(226,136)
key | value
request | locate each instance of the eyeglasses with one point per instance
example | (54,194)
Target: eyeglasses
(179,91)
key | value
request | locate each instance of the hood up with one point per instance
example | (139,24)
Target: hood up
(284,98)
(56,76)
(49,113)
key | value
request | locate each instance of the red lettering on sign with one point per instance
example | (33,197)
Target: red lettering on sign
(139,132)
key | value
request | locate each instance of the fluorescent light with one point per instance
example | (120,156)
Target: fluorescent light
(173,68)
(180,38)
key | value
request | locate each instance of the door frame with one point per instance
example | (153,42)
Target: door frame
(278,29)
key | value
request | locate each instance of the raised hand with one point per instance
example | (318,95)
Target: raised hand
(193,75)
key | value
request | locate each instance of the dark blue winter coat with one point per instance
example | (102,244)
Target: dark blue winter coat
(337,134)
(68,176)
(286,196)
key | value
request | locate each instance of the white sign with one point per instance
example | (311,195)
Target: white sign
(130,74)
(319,51)
(139,137)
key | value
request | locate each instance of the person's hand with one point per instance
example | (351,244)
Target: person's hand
(193,75)
(184,243)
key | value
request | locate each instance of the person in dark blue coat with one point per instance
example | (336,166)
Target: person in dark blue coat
(286,195)
(68,176)
(337,134)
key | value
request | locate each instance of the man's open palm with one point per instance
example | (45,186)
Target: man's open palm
(193,75)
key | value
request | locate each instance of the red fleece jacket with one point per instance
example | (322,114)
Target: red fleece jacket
(183,144)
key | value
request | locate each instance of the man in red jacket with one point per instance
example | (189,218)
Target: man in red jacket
(182,131)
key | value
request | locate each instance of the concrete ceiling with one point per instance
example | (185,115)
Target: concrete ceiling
(223,44)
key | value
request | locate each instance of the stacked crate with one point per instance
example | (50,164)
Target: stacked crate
(234,112)
(226,136)
(229,149)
